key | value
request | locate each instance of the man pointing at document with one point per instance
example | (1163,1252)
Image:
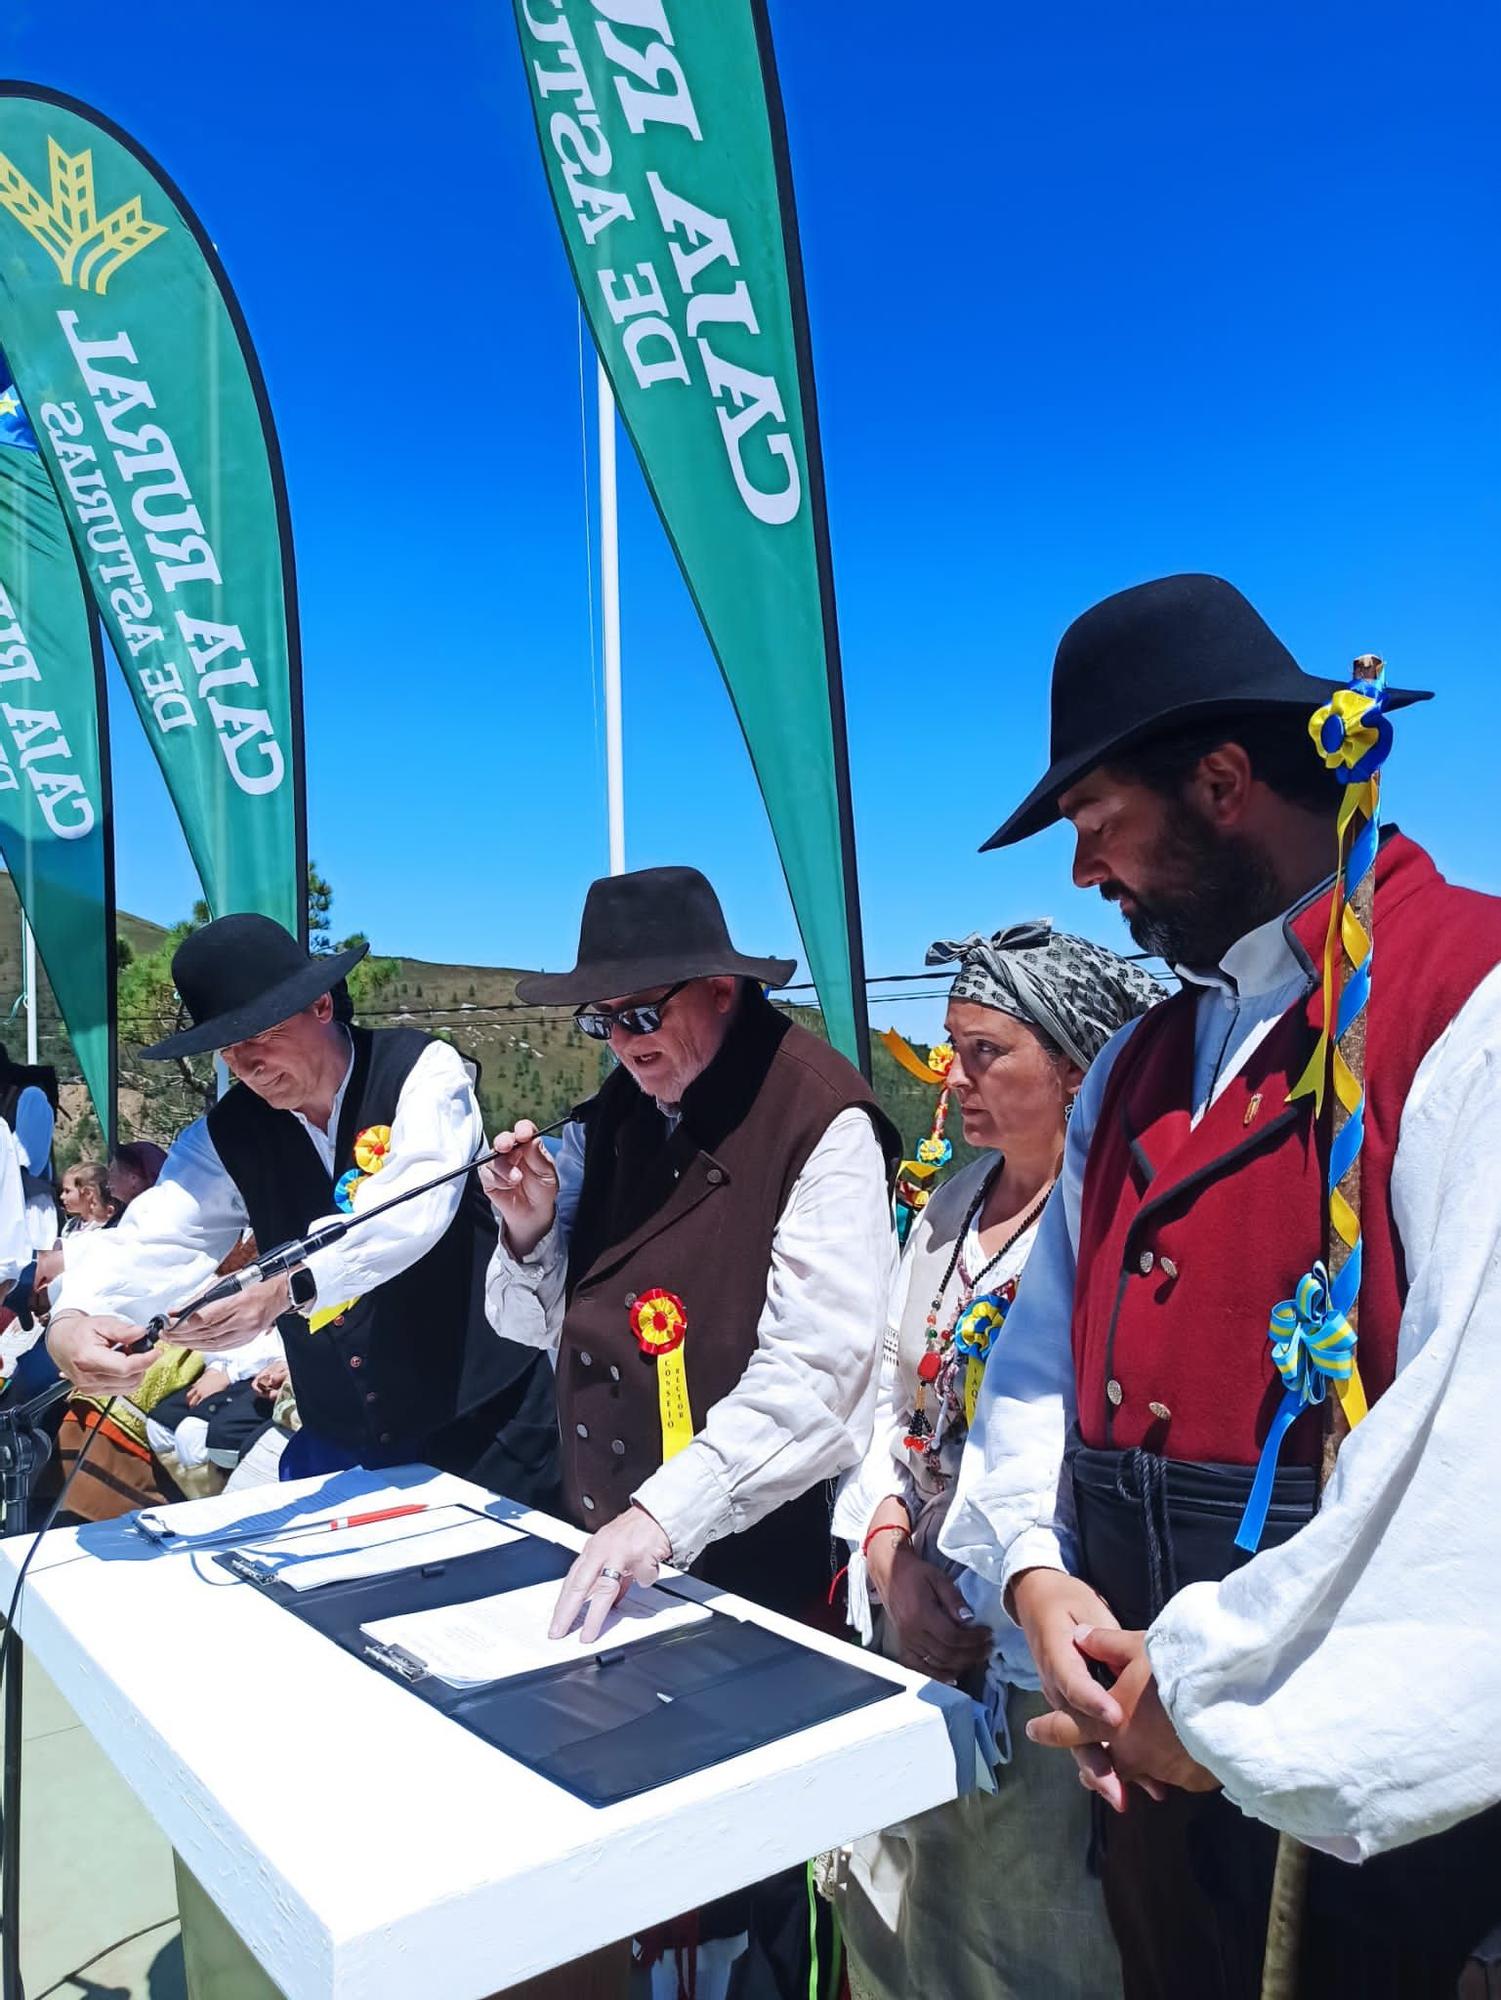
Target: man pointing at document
(709,1257)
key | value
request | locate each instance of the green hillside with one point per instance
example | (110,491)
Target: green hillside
(533,1062)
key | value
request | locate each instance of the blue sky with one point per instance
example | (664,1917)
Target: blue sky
(1096,294)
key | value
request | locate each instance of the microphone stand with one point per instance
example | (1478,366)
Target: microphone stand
(288,1256)
(25,1447)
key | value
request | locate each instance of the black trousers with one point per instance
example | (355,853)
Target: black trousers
(1188,1881)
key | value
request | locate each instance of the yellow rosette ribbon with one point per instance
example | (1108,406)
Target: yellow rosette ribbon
(372,1149)
(659,1321)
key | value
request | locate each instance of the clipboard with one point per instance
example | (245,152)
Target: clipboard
(604,1727)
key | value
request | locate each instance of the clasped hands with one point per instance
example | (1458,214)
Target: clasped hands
(97,1351)
(1120,1735)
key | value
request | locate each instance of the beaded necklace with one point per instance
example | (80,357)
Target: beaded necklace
(973,1326)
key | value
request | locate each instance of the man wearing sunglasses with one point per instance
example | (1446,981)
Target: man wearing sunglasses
(708,1254)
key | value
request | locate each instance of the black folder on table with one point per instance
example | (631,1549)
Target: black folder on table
(606,1726)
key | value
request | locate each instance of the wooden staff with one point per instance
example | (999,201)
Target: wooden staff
(1284,1930)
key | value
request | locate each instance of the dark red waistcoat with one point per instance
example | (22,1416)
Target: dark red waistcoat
(1188,1237)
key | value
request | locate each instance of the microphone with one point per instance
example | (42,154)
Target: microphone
(290,1255)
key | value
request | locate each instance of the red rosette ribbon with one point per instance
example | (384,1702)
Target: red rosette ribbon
(659,1321)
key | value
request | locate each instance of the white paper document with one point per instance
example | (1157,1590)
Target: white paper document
(307,1562)
(469,1644)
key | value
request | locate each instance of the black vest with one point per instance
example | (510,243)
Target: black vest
(410,1357)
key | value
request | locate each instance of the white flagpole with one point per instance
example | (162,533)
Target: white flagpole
(609,594)
(28,959)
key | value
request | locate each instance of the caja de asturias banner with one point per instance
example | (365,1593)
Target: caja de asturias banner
(55,829)
(136,370)
(663,140)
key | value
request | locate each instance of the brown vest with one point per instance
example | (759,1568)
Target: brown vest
(694,1212)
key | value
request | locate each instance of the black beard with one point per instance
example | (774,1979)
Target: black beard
(1229,889)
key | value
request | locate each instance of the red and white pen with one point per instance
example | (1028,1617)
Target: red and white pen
(380,1514)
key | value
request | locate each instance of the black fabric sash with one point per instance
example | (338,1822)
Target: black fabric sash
(1148,1525)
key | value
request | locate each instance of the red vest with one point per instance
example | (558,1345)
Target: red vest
(1189,1236)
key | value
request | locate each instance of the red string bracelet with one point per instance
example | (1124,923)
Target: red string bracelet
(884,1528)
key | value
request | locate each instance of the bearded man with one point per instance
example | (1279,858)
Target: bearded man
(1320,1686)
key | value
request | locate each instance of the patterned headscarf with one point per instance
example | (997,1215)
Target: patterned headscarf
(1076,992)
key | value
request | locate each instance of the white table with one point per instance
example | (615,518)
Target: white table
(361,1843)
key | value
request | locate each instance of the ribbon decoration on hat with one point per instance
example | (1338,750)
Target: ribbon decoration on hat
(1353,736)
(659,1321)
(1313,1344)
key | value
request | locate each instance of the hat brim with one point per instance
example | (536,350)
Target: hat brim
(1039,808)
(278,1003)
(610,979)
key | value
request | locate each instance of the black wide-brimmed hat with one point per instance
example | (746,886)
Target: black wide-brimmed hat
(1180,650)
(239,976)
(650,928)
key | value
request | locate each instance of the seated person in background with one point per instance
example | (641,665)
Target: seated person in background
(994,1887)
(85,1201)
(384,1332)
(200,1433)
(133,1168)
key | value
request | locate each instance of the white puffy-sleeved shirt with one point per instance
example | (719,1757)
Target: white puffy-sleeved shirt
(16,1247)
(168,1244)
(803,1409)
(1344,1687)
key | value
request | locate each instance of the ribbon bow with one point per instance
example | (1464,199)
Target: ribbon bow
(1351,732)
(1313,1344)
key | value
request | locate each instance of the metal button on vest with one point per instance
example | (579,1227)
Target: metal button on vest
(587,1504)
(1169,1268)
(356,1360)
(617,1445)
(630,1298)
(614,1373)
(714,1176)
(371,1397)
(581,1430)
(586,1360)
(1114,1391)
(386,1438)
(1145,1263)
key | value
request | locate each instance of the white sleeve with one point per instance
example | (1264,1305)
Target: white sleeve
(16,1250)
(1012,1507)
(1343,1687)
(524,1295)
(883,1471)
(167,1245)
(803,1409)
(437,1126)
(34,1128)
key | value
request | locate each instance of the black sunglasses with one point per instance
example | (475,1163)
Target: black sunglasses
(645,1019)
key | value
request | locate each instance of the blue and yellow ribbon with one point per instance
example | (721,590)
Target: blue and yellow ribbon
(1313,1344)
(974,1336)
(1313,1335)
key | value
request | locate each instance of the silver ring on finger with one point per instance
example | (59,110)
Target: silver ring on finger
(611,1575)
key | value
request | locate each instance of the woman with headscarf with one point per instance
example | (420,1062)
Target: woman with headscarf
(989,1896)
